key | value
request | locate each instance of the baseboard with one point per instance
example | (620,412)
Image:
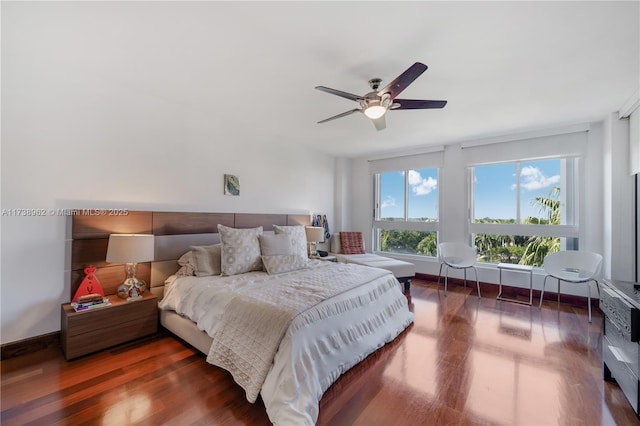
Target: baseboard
(27,346)
(569,299)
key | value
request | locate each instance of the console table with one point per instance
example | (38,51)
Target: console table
(620,303)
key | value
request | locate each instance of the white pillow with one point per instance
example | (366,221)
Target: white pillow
(207,259)
(298,238)
(275,244)
(187,265)
(278,264)
(240,250)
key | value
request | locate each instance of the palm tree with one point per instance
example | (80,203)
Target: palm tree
(484,242)
(538,247)
(428,245)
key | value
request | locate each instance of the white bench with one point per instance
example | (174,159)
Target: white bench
(403,271)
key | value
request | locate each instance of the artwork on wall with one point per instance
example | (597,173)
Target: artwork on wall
(231,185)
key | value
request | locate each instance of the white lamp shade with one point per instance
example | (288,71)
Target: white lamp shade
(130,248)
(315,234)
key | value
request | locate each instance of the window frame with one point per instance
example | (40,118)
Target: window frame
(569,229)
(379,225)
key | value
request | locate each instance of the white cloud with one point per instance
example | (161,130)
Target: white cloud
(388,202)
(533,178)
(420,185)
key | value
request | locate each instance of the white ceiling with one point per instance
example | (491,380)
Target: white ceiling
(504,67)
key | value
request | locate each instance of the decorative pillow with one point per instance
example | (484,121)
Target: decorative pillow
(187,265)
(208,259)
(298,238)
(240,250)
(351,243)
(275,244)
(279,264)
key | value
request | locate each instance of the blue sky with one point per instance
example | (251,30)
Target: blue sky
(423,194)
(495,190)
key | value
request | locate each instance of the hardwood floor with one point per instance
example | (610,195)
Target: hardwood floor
(464,361)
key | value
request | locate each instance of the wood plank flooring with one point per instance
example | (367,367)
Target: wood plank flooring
(464,361)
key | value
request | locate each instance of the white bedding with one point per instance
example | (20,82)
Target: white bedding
(320,343)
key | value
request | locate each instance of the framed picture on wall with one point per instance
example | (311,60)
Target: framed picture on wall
(231,185)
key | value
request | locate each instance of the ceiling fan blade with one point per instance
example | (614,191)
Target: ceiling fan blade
(403,80)
(344,114)
(339,93)
(380,123)
(417,104)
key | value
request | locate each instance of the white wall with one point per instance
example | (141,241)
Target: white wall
(341,196)
(597,198)
(619,204)
(72,139)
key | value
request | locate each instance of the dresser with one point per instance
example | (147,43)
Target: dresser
(620,304)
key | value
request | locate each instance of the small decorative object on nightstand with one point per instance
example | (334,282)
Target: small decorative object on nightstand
(130,249)
(325,258)
(315,235)
(89,285)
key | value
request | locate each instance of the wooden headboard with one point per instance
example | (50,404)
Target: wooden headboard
(174,232)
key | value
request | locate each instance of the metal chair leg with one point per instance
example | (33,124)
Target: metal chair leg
(589,298)
(446,280)
(598,289)
(477,280)
(544,283)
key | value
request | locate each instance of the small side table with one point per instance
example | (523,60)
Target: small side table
(516,268)
(93,330)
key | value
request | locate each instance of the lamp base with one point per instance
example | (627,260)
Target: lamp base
(131,290)
(133,299)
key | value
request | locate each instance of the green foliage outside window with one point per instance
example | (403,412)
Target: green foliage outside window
(518,249)
(524,250)
(409,242)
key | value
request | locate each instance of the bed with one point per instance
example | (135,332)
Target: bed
(286,327)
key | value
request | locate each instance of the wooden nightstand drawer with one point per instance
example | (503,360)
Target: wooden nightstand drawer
(90,331)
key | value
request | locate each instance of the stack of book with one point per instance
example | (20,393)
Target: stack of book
(90,301)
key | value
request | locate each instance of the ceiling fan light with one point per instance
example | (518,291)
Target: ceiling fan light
(375,111)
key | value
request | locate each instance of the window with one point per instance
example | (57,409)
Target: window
(406,213)
(521,211)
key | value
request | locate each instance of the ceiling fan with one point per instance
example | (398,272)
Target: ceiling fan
(375,104)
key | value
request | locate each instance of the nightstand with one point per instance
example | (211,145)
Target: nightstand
(90,331)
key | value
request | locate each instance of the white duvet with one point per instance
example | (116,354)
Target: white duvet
(320,343)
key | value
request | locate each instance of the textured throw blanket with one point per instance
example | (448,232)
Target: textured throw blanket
(253,324)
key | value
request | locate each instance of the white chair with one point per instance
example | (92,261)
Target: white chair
(457,256)
(572,266)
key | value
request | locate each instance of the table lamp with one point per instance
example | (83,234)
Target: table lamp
(130,249)
(315,235)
